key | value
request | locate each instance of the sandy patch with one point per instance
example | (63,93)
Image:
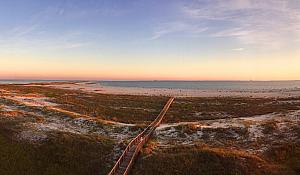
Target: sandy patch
(98,88)
(31,100)
(241,132)
(32,136)
(5,108)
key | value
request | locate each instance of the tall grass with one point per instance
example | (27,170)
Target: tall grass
(60,154)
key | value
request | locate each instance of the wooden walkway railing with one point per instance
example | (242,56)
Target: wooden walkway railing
(126,160)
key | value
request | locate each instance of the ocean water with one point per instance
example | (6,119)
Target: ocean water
(201,85)
(207,85)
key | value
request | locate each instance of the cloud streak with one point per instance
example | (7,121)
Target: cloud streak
(28,37)
(271,24)
(176,27)
(238,49)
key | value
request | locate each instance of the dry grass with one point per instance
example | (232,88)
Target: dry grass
(287,154)
(61,154)
(203,160)
(121,108)
(185,109)
(64,153)
(269,127)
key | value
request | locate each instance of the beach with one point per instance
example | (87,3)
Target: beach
(175,92)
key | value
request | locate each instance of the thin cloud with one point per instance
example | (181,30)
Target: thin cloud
(20,31)
(31,39)
(176,27)
(32,35)
(270,23)
(238,49)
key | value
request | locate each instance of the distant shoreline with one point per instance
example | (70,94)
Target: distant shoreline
(182,84)
(98,88)
(106,88)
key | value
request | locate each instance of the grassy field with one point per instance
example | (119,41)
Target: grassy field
(186,109)
(121,108)
(221,154)
(60,154)
(205,160)
(91,152)
(66,152)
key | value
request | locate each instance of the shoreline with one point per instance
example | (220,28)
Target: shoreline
(97,88)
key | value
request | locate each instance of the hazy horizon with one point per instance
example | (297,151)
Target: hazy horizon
(146,80)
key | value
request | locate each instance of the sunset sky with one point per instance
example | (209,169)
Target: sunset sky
(150,39)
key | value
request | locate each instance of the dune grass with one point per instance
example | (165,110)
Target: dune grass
(287,155)
(121,108)
(65,153)
(60,154)
(186,109)
(205,161)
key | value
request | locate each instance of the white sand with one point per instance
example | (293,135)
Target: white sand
(169,135)
(6,108)
(97,88)
(31,100)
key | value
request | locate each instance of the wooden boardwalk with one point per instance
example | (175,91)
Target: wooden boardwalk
(126,160)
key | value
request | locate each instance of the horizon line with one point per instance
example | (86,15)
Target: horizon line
(133,80)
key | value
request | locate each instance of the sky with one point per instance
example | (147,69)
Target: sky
(150,39)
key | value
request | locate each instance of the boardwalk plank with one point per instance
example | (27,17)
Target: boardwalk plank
(126,160)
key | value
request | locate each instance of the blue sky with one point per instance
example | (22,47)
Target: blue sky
(142,39)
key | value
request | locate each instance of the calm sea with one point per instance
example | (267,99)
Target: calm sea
(202,85)
(207,85)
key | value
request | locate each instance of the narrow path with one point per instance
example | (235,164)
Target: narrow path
(126,160)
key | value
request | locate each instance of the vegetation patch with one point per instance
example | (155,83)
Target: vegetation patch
(287,154)
(206,108)
(121,108)
(202,160)
(61,153)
